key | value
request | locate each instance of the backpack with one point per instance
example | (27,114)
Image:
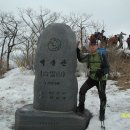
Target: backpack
(102,51)
(104,58)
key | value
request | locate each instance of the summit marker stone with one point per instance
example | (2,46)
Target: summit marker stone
(55,86)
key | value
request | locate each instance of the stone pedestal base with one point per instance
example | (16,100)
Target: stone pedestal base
(27,118)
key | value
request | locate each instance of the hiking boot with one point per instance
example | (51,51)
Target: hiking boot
(80,109)
(102,115)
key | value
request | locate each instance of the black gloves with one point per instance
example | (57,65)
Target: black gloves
(99,74)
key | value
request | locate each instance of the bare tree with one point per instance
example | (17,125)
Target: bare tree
(28,52)
(10,28)
(80,23)
(34,22)
(97,26)
(3,35)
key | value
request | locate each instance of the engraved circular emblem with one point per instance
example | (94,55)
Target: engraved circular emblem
(54,44)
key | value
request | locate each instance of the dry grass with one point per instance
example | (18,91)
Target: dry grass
(120,65)
(123,83)
(124,80)
(3,69)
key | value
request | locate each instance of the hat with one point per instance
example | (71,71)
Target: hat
(93,42)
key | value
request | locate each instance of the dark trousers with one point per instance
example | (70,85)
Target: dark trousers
(101,87)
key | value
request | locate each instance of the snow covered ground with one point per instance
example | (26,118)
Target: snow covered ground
(16,90)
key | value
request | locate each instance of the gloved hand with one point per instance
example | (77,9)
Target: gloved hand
(99,74)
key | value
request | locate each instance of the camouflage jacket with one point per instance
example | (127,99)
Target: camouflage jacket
(95,62)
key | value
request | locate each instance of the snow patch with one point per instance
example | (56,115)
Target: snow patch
(17,90)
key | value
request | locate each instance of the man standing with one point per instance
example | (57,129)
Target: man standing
(98,68)
(128,42)
(121,37)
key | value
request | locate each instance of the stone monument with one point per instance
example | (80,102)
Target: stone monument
(55,85)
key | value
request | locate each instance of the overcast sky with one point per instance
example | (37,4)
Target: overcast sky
(114,13)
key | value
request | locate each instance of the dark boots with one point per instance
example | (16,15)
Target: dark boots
(80,107)
(102,111)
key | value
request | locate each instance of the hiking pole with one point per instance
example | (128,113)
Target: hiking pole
(102,122)
(103,125)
